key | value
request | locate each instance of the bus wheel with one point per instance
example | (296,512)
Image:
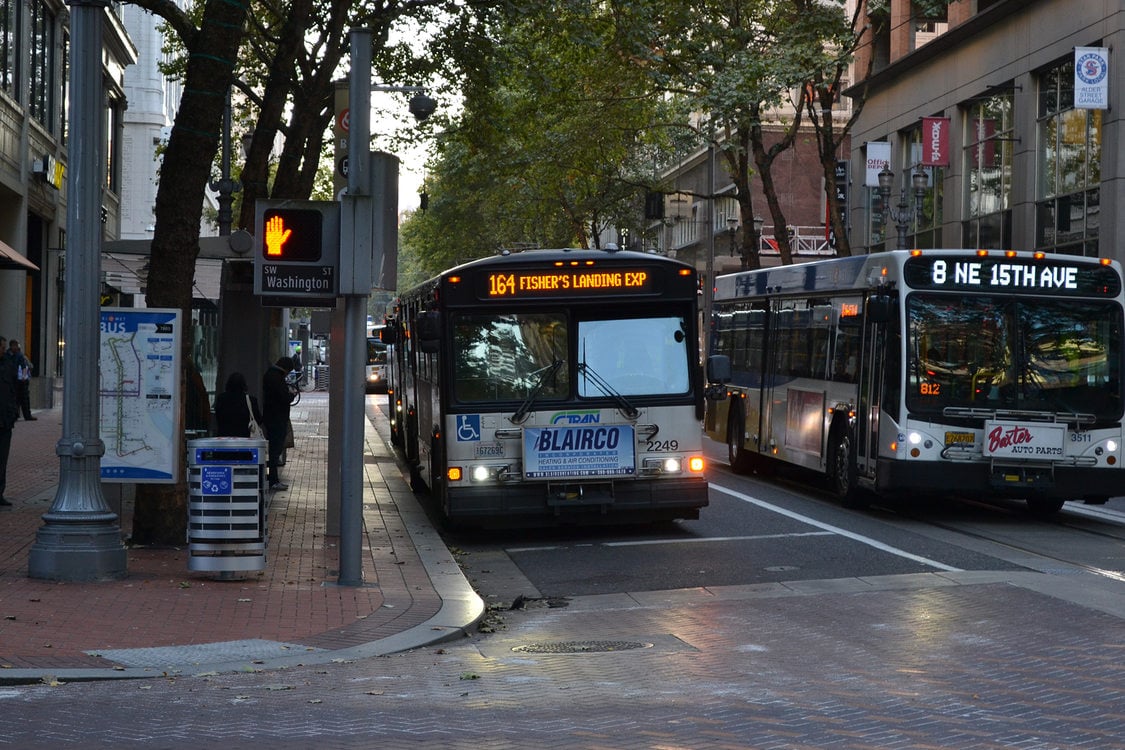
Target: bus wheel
(1044,506)
(842,471)
(739,458)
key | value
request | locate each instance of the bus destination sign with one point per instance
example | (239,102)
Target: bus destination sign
(1011,275)
(567,282)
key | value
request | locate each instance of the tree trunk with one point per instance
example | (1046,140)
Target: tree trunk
(160,517)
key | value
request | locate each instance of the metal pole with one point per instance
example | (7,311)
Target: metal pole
(901,224)
(355,317)
(81,538)
(225,186)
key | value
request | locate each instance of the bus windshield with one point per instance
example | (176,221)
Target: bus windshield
(1007,353)
(501,357)
(634,356)
(376,351)
(504,357)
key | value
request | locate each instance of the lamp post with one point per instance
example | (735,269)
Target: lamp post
(732,231)
(755,239)
(904,213)
(225,186)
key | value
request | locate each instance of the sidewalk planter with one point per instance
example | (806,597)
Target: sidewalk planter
(226,529)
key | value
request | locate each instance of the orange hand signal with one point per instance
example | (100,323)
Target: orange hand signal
(276,235)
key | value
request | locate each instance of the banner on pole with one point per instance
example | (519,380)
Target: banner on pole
(878,159)
(1091,78)
(935,141)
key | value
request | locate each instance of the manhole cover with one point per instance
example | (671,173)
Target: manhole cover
(579,647)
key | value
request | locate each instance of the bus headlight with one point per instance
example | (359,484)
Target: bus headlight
(489,473)
(672,465)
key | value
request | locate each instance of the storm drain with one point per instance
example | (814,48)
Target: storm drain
(579,647)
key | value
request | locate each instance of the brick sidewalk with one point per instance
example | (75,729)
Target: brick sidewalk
(293,605)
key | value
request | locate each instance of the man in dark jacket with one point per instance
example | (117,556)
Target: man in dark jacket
(276,398)
(9,412)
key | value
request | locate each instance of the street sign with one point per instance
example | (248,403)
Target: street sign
(298,252)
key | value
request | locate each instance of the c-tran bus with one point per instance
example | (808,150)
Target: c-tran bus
(552,386)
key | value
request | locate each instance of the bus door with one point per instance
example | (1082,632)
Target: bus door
(872,369)
(880,373)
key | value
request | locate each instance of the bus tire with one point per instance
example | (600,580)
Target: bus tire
(841,470)
(741,462)
(1044,506)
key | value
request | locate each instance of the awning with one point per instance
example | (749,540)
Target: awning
(10,259)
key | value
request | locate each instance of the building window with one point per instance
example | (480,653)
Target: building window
(42,59)
(1070,145)
(931,20)
(64,97)
(114,113)
(9,46)
(989,145)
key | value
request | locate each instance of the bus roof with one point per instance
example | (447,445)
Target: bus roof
(534,257)
(861,272)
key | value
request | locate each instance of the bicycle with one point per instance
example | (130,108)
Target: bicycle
(295,379)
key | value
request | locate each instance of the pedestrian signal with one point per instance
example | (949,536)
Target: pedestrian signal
(292,235)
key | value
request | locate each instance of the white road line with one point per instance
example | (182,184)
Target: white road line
(642,542)
(717,539)
(835,529)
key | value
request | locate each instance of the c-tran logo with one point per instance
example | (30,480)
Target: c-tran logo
(576,417)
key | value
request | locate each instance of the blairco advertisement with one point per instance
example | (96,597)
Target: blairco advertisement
(587,451)
(1031,440)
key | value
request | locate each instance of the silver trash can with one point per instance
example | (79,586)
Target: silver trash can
(320,376)
(226,530)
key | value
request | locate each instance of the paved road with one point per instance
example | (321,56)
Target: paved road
(944,659)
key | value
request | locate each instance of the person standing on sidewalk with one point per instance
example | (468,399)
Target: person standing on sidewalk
(234,408)
(9,411)
(23,379)
(276,398)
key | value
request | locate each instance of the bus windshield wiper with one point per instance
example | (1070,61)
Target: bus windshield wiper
(600,383)
(544,374)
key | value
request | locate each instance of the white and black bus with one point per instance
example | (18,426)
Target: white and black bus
(552,386)
(977,372)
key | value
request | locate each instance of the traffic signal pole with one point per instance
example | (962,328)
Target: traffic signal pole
(355,203)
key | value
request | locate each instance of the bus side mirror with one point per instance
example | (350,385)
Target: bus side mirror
(880,308)
(428,327)
(718,369)
(389,334)
(718,374)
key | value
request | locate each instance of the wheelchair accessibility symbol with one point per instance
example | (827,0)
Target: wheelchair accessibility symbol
(468,427)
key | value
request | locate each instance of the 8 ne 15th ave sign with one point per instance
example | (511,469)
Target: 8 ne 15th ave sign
(298,249)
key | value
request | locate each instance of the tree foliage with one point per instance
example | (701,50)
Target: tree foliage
(284,58)
(553,146)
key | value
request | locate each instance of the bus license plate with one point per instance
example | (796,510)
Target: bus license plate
(960,438)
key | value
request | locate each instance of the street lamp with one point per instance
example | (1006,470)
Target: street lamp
(732,230)
(756,237)
(225,186)
(904,213)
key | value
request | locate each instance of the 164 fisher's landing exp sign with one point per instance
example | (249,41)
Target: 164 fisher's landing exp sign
(582,451)
(1030,440)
